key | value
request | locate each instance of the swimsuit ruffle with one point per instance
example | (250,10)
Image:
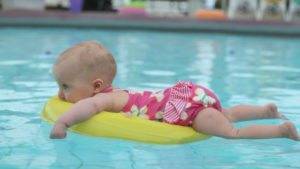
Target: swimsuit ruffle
(179,97)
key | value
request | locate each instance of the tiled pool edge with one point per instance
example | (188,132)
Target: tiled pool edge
(115,21)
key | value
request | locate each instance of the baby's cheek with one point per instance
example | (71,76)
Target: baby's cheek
(69,98)
(74,99)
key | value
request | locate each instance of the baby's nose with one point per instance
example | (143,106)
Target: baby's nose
(61,95)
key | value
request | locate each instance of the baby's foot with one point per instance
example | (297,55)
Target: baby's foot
(273,113)
(289,130)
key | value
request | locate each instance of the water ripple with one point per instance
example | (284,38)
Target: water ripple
(159,73)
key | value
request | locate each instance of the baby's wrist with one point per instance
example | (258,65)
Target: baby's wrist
(62,123)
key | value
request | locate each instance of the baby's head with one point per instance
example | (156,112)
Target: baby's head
(84,70)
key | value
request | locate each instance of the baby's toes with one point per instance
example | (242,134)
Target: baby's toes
(281,116)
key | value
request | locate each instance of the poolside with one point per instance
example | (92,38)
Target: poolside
(23,18)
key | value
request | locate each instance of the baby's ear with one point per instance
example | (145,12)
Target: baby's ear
(98,85)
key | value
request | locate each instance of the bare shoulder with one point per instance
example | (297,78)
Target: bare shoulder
(112,102)
(119,100)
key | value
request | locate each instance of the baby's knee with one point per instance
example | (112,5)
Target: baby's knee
(234,133)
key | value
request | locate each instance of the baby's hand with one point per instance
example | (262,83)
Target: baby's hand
(59,131)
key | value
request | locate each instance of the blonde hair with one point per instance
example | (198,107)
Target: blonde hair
(91,57)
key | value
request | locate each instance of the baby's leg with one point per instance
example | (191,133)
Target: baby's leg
(211,121)
(249,112)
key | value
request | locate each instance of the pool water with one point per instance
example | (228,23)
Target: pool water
(240,69)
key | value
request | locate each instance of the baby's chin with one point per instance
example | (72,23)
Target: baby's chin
(75,101)
(70,101)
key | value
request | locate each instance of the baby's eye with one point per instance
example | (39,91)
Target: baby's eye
(65,87)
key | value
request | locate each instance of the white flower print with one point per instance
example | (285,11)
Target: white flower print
(188,105)
(134,109)
(183,116)
(158,95)
(203,97)
(159,115)
(140,112)
(143,112)
(128,114)
(136,92)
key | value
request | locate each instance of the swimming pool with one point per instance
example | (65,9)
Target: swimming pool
(239,69)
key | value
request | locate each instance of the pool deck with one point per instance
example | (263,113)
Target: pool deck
(98,20)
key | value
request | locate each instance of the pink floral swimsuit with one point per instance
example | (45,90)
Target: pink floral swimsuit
(178,104)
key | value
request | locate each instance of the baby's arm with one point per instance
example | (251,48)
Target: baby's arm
(81,111)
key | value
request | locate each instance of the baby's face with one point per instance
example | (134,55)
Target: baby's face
(72,86)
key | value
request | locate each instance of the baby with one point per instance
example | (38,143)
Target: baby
(85,73)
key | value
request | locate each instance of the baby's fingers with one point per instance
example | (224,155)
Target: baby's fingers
(59,135)
(58,131)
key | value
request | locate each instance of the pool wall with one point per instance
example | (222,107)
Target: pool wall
(25,18)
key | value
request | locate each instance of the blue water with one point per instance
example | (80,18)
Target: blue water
(239,69)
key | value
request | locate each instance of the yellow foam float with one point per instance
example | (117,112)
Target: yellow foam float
(117,125)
